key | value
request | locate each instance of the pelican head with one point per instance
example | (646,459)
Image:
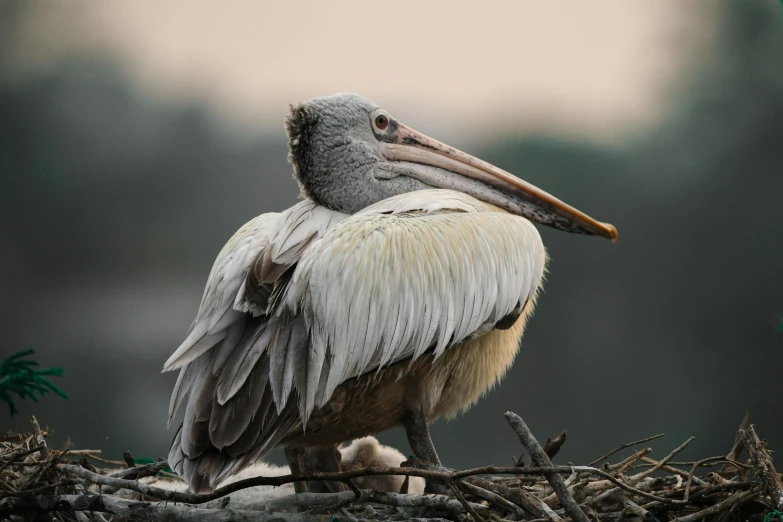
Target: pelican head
(349,153)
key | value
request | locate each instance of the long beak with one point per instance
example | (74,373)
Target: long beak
(405,144)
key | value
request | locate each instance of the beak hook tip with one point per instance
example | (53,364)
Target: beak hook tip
(611,232)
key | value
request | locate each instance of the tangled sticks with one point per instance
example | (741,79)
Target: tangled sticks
(38,481)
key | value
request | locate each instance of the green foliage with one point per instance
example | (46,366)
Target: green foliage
(20,376)
(772,515)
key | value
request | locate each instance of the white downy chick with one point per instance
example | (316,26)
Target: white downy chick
(367,452)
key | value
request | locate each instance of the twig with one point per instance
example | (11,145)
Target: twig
(464,502)
(624,464)
(663,462)
(96,458)
(129,460)
(626,445)
(39,438)
(82,452)
(739,443)
(539,458)
(552,446)
(763,461)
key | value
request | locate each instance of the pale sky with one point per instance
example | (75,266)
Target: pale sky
(598,70)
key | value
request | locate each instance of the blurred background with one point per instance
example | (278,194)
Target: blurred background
(136,137)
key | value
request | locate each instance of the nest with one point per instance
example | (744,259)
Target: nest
(39,482)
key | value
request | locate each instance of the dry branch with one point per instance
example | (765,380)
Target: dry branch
(739,442)
(763,463)
(552,446)
(623,446)
(540,459)
(40,441)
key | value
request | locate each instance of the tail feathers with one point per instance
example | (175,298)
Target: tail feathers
(204,472)
(233,465)
(185,466)
(218,440)
(228,421)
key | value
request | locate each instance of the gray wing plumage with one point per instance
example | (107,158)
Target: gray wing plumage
(302,301)
(231,418)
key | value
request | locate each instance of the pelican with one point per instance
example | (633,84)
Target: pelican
(396,292)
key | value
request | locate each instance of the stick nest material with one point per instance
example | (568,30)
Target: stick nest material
(39,483)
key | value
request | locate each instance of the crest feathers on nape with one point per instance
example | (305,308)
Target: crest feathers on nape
(299,126)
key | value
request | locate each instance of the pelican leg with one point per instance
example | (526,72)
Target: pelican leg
(325,459)
(418,431)
(295,458)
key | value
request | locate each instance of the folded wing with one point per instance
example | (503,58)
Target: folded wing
(230,415)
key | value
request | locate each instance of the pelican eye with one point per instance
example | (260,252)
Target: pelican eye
(381,121)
